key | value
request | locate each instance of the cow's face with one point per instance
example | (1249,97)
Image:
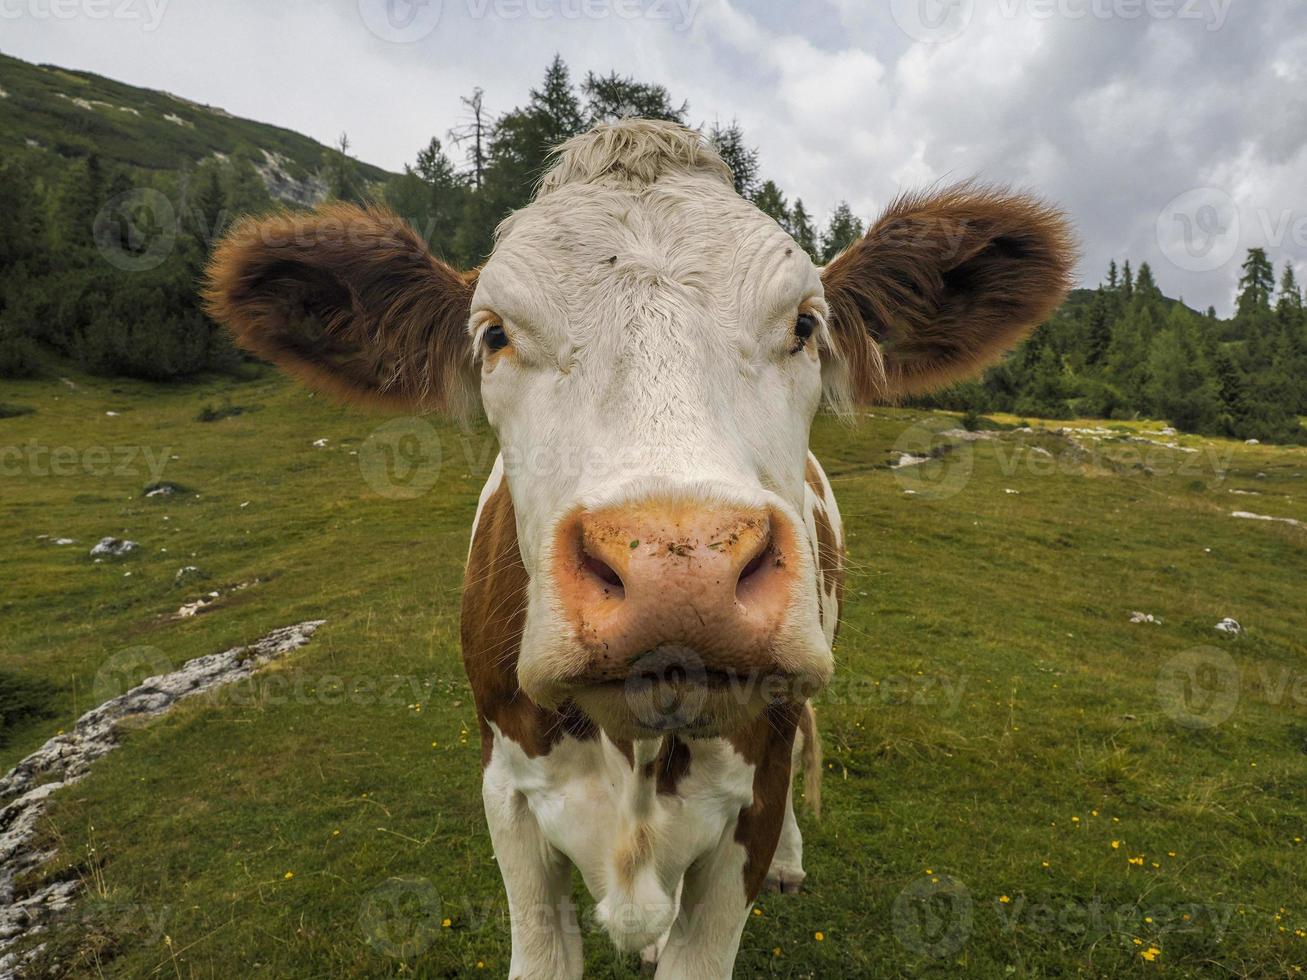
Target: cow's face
(651,350)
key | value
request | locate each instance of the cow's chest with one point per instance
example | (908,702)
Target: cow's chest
(631,823)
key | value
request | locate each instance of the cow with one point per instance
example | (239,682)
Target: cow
(655,575)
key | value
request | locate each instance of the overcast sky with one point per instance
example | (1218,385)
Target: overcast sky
(1171,130)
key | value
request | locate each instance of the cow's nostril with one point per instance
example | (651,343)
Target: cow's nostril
(601,570)
(754,566)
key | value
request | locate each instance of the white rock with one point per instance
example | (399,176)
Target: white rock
(1229,625)
(1245,515)
(1141,617)
(1252,442)
(66,759)
(319,442)
(907,459)
(113,548)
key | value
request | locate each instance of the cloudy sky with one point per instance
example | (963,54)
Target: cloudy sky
(1171,130)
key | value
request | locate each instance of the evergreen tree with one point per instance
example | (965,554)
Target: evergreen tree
(801,230)
(1288,306)
(842,231)
(612,97)
(741,158)
(1145,285)
(1098,336)
(1112,275)
(341,173)
(1127,281)
(771,201)
(1256,284)
(555,105)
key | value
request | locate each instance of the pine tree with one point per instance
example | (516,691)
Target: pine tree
(1112,275)
(1098,334)
(771,201)
(842,231)
(801,230)
(1256,284)
(612,97)
(555,105)
(341,173)
(1288,307)
(1145,285)
(1127,281)
(741,158)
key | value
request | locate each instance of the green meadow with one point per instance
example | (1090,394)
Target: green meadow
(1020,781)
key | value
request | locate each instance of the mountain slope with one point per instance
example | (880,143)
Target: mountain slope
(75,113)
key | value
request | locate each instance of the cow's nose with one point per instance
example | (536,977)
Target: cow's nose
(710,585)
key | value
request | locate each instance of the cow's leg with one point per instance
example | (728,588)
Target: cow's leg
(714,908)
(537,878)
(786,873)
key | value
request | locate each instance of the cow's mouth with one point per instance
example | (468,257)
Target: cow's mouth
(664,693)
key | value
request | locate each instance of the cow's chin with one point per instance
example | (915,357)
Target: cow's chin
(708,706)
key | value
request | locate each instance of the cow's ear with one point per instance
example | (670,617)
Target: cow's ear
(943,285)
(350,301)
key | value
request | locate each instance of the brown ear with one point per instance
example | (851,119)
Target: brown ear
(944,284)
(350,301)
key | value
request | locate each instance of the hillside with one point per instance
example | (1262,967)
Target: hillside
(76,113)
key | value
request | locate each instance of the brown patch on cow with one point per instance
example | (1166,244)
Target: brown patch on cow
(829,553)
(943,284)
(493,617)
(350,301)
(634,855)
(768,744)
(671,766)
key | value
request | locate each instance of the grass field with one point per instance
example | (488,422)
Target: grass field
(1021,783)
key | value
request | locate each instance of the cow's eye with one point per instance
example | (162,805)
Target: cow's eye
(495,338)
(804,327)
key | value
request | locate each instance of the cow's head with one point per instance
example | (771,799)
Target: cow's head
(650,349)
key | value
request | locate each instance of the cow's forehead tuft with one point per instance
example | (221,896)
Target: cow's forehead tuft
(633,152)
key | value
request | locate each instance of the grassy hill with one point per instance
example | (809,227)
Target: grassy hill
(996,721)
(75,113)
